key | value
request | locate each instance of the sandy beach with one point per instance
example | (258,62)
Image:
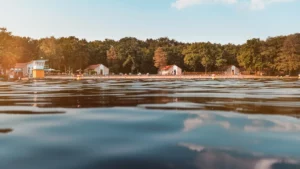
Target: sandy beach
(116,77)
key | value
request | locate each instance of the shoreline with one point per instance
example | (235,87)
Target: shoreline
(117,77)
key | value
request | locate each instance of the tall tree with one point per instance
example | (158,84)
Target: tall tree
(271,49)
(289,59)
(174,55)
(50,50)
(192,56)
(112,59)
(81,54)
(250,55)
(147,65)
(129,52)
(8,50)
(230,53)
(160,58)
(207,54)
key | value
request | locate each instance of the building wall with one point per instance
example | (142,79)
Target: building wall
(38,73)
(38,64)
(171,71)
(166,72)
(35,69)
(232,70)
(29,69)
(103,69)
(178,70)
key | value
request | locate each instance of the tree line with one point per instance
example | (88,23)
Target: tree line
(273,56)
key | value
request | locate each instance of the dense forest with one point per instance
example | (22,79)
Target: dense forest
(274,56)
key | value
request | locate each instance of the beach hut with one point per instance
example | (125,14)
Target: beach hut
(34,69)
(170,70)
(19,70)
(232,70)
(98,69)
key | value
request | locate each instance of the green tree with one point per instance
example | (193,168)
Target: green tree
(129,52)
(271,49)
(50,50)
(250,55)
(208,53)
(147,65)
(289,58)
(174,55)
(75,53)
(230,53)
(8,49)
(112,59)
(192,56)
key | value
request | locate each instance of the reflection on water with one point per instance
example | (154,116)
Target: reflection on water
(232,159)
(195,124)
(4,131)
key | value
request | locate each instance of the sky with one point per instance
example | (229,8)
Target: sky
(218,21)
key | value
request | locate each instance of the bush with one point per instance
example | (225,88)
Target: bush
(3,77)
(93,72)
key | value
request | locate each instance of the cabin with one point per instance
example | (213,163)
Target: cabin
(34,69)
(170,70)
(19,70)
(232,70)
(98,69)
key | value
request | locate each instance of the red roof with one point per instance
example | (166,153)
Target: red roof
(167,67)
(92,67)
(20,65)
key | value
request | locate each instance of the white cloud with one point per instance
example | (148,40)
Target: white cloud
(192,147)
(261,4)
(180,4)
(191,124)
(266,163)
(252,4)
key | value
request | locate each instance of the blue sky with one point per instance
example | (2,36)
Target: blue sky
(220,21)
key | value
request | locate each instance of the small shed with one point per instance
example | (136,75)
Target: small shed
(99,69)
(20,69)
(36,68)
(232,70)
(170,70)
(33,69)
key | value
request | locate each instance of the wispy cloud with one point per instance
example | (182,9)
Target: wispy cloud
(180,4)
(261,4)
(252,4)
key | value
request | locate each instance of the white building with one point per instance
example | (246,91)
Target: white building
(170,70)
(232,70)
(33,69)
(98,69)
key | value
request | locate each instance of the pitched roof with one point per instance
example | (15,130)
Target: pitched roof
(92,67)
(20,65)
(167,67)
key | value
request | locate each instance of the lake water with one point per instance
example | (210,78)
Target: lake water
(150,124)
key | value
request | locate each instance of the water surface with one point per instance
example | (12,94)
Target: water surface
(150,124)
